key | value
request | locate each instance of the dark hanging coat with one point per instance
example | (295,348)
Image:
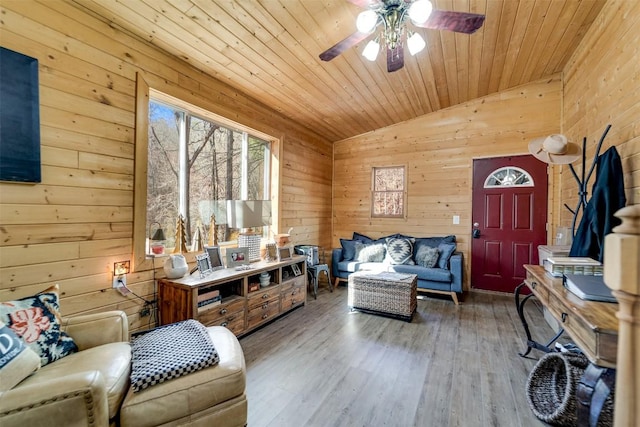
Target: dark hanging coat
(607,198)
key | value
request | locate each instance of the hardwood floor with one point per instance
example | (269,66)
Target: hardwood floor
(323,365)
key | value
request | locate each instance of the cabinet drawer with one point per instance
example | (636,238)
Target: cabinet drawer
(234,322)
(297,281)
(220,311)
(262,313)
(255,298)
(539,290)
(582,334)
(292,297)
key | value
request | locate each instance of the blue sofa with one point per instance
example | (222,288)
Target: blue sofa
(444,278)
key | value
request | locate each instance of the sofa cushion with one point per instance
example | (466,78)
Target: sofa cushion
(427,256)
(181,397)
(446,250)
(433,242)
(17,361)
(36,320)
(372,252)
(112,360)
(399,250)
(423,273)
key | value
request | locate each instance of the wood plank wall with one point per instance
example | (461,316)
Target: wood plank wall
(601,85)
(72,227)
(439,149)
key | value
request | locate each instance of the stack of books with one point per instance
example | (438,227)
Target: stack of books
(208,299)
(557,266)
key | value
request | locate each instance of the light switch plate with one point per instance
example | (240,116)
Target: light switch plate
(456,219)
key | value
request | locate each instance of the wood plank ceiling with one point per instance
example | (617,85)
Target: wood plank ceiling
(269,50)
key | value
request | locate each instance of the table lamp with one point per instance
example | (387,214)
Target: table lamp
(156,241)
(245,214)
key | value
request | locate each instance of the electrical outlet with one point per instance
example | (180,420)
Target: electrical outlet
(145,311)
(119,281)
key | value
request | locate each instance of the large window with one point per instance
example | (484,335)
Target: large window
(194,166)
(388,196)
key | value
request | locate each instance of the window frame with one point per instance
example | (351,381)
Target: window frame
(403,214)
(148,87)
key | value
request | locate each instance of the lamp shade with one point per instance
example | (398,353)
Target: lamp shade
(158,235)
(248,213)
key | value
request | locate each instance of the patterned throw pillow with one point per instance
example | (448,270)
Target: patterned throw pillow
(170,351)
(369,253)
(36,320)
(427,256)
(399,250)
(17,361)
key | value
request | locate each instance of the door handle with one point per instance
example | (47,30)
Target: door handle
(476,231)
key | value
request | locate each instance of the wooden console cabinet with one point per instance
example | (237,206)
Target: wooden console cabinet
(239,310)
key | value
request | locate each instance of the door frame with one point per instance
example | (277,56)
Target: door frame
(551,180)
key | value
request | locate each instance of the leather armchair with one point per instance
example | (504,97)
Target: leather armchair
(83,389)
(92,387)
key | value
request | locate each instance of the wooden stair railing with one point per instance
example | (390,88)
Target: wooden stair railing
(622,275)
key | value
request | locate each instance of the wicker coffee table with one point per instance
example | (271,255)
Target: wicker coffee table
(386,293)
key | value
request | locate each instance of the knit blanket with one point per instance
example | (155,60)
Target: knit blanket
(169,352)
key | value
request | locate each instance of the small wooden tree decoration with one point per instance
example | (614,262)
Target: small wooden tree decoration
(181,238)
(196,243)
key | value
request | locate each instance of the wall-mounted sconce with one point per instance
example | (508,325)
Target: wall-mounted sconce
(120,270)
(156,240)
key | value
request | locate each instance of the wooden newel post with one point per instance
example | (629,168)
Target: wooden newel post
(622,275)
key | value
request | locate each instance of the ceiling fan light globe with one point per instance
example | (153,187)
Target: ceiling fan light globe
(366,21)
(371,50)
(415,43)
(419,11)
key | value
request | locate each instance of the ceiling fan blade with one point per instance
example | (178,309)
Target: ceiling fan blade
(395,58)
(460,22)
(343,45)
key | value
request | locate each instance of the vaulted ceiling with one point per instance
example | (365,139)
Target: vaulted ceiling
(269,50)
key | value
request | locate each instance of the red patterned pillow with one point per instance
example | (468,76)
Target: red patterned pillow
(36,320)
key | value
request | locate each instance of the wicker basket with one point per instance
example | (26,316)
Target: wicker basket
(551,387)
(393,294)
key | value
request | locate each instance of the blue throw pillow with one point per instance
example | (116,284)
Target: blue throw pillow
(361,237)
(446,250)
(348,249)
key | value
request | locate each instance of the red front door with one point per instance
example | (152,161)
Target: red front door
(509,216)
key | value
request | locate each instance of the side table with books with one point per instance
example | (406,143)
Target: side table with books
(592,325)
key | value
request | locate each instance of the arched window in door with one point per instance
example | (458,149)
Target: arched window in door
(509,176)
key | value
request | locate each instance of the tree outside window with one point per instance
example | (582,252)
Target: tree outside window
(194,166)
(388,195)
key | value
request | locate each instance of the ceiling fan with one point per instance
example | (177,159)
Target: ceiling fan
(393,16)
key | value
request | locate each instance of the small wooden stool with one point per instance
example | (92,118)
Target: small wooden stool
(314,271)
